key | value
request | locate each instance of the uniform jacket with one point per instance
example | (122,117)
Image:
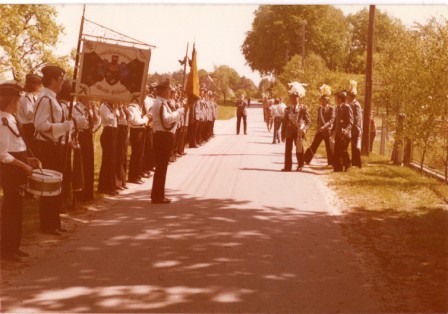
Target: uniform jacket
(325,119)
(241,108)
(343,121)
(289,129)
(357,118)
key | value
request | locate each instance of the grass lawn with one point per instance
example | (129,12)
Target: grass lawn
(226,111)
(398,220)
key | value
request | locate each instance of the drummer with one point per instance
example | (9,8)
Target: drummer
(15,167)
(51,126)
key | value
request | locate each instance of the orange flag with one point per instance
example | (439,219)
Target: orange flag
(192,88)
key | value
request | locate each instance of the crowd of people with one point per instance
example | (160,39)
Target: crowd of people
(338,126)
(38,121)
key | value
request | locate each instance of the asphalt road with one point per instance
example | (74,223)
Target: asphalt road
(240,236)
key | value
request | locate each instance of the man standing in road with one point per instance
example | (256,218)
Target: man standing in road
(165,123)
(241,113)
(295,124)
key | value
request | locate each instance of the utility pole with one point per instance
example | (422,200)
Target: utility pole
(365,144)
(303,43)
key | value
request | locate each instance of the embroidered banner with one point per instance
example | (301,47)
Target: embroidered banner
(112,72)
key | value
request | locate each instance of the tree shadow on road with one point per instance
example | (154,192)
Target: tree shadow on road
(194,255)
(407,253)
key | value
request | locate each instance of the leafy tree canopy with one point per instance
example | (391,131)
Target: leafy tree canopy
(28,34)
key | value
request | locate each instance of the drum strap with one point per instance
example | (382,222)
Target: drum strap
(6,123)
(52,120)
(161,118)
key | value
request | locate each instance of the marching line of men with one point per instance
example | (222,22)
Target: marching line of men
(338,127)
(36,126)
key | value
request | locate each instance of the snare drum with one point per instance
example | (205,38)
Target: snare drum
(44,183)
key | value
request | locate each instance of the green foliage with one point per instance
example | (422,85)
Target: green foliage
(386,28)
(226,79)
(316,73)
(413,73)
(276,36)
(28,34)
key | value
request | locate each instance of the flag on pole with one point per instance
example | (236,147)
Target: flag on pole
(192,88)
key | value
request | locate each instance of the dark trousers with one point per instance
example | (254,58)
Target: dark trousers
(290,142)
(163,145)
(106,180)
(238,123)
(341,157)
(137,139)
(277,125)
(183,135)
(356,152)
(318,138)
(85,139)
(52,157)
(121,166)
(28,135)
(11,227)
(148,155)
(192,133)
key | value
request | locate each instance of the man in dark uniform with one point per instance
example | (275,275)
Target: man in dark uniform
(325,117)
(295,124)
(342,130)
(51,126)
(241,113)
(357,124)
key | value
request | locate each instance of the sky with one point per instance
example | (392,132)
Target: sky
(217,29)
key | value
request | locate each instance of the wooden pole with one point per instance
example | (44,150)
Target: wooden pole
(303,43)
(185,68)
(369,88)
(70,110)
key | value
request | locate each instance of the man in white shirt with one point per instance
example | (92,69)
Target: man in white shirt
(148,155)
(165,123)
(51,127)
(25,114)
(137,122)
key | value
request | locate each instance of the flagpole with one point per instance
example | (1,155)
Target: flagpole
(70,110)
(185,69)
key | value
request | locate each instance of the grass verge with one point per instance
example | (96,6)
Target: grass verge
(398,220)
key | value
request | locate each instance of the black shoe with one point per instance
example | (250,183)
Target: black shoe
(162,201)
(299,168)
(52,232)
(21,253)
(347,169)
(136,181)
(61,229)
(11,257)
(286,170)
(145,175)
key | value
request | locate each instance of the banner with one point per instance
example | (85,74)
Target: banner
(192,88)
(112,72)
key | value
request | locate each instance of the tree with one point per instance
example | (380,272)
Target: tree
(28,32)
(246,86)
(226,79)
(275,36)
(385,28)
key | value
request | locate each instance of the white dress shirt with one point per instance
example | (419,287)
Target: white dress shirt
(81,116)
(48,111)
(164,116)
(108,115)
(136,120)
(10,140)
(25,114)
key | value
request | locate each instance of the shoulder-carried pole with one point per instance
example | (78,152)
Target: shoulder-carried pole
(75,72)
